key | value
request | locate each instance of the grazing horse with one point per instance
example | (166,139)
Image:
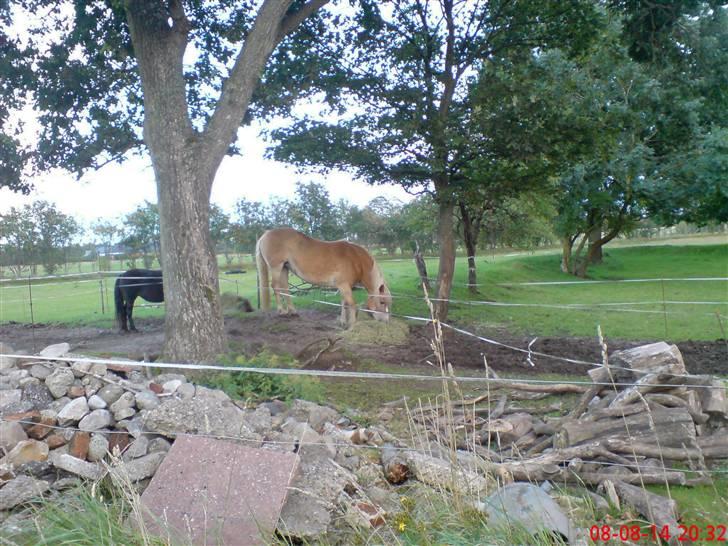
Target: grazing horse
(336,264)
(144,283)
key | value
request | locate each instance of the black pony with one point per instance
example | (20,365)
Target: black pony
(144,283)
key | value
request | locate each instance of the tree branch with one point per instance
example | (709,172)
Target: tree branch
(291,22)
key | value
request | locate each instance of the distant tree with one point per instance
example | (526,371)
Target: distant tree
(221,231)
(141,229)
(313,213)
(105,234)
(18,238)
(250,220)
(38,234)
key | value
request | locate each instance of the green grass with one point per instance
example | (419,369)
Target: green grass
(85,300)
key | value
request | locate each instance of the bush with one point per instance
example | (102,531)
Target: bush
(258,386)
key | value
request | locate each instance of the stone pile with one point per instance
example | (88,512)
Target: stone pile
(62,420)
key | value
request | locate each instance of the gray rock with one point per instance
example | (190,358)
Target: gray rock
(139,469)
(186,391)
(317,486)
(95,402)
(10,398)
(6,362)
(314,414)
(80,369)
(20,490)
(56,351)
(73,412)
(275,407)
(138,448)
(97,448)
(199,415)
(124,413)
(259,420)
(26,451)
(159,444)
(16,376)
(59,382)
(133,426)
(39,395)
(59,404)
(41,371)
(110,393)
(162,378)
(126,400)
(171,386)
(146,400)
(530,507)
(98,369)
(16,407)
(96,420)
(11,433)
(28,381)
(92,385)
(69,463)
(211,394)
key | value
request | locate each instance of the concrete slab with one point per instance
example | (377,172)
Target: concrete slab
(216,492)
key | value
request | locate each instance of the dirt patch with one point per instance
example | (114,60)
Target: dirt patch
(306,335)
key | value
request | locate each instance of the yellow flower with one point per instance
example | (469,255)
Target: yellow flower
(402,526)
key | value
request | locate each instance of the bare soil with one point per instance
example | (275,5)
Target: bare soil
(306,335)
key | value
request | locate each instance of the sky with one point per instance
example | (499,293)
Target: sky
(116,190)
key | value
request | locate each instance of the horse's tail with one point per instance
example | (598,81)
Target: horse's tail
(263,278)
(118,303)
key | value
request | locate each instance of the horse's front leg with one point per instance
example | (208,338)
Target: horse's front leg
(286,296)
(348,307)
(276,282)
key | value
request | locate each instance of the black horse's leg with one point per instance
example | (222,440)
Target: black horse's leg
(129,311)
(122,313)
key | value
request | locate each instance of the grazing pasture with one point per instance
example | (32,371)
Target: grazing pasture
(626,310)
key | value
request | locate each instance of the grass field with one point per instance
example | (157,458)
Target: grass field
(629,310)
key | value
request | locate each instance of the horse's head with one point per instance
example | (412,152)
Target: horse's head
(379,301)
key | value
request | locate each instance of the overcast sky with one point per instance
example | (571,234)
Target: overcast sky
(116,190)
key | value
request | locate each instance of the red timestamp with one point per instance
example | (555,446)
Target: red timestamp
(683,533)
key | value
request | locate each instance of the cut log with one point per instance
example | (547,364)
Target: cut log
(640,388)
(657,509)
(654,358)
(441,474)
(394,464)
(619,445)
(671,427)
(671,401)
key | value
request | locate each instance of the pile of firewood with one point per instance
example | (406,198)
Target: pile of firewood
(643,419)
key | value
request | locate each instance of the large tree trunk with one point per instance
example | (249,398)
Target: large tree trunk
(194,325)
(446,271)
(594,235)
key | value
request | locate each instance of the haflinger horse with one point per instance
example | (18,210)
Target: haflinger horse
(144,283)
(335,264)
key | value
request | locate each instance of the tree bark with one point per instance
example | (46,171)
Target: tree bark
(421,267)
(446,270)
(471,229)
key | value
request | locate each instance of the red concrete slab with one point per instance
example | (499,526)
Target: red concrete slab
(211,492)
